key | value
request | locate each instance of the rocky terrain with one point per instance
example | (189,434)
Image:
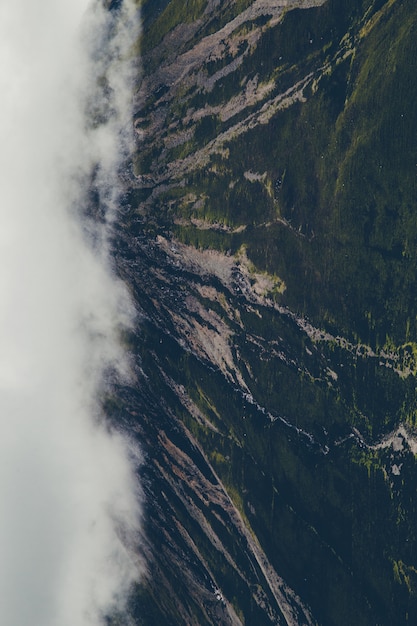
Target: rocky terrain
(268,237)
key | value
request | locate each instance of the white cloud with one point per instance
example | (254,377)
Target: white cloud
(68,491)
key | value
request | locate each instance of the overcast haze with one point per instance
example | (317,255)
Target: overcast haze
(68,490)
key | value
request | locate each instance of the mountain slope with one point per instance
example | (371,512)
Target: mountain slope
(269,238)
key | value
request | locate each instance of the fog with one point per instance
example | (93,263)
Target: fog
(69,496)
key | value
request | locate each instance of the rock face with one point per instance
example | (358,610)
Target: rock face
(269,239)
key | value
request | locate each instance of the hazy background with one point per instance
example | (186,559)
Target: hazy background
(68,490)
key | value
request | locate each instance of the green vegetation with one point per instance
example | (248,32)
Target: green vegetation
(325,195)
(340,168)
(175,12)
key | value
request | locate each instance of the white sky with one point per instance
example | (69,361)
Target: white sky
(67,485)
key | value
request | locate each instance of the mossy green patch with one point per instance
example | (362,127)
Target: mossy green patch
(174,13)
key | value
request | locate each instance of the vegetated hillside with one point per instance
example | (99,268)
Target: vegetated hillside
(270,240)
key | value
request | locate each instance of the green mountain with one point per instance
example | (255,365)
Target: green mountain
(269,239)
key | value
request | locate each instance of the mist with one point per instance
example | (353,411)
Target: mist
(69,494)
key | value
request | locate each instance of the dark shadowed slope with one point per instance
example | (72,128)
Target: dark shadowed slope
(269,239)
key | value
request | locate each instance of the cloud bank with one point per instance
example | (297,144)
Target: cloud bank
(69,497)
